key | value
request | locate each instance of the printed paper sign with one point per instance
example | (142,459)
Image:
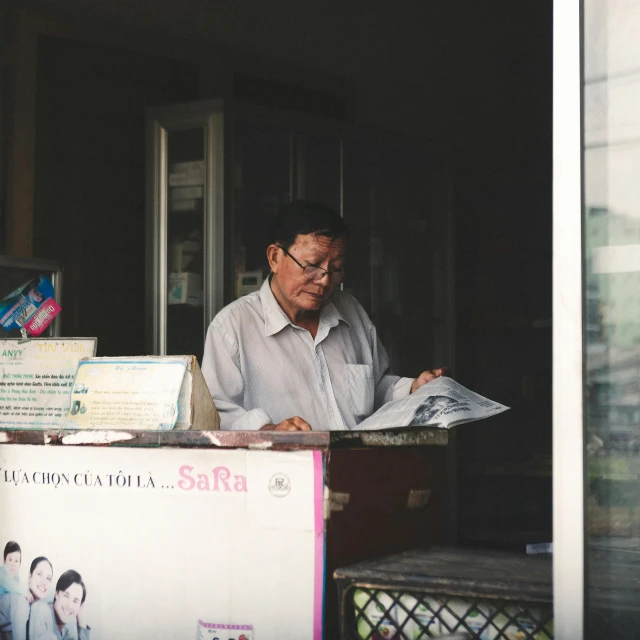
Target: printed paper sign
(36,378)
(126,393)
(162,542)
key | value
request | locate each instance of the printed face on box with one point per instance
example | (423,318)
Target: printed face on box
(13,561)
(35,295)
(67,603)
(40,579)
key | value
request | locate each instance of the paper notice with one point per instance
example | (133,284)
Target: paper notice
(126,393)
(36,378)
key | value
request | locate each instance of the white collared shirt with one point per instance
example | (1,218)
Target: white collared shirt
(262,369)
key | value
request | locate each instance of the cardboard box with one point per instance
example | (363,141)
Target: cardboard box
(185,288)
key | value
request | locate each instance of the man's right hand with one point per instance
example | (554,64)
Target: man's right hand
(290,424)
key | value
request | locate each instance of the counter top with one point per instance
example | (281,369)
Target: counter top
(267,440)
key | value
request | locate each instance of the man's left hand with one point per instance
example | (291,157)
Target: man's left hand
(428,376)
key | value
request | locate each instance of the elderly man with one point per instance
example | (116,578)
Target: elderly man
(300,353)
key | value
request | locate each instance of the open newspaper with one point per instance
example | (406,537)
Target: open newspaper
(442,403)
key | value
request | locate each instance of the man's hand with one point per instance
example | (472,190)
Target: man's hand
(428,376)
(290,424)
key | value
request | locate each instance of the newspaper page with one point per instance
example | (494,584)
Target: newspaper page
(442,403)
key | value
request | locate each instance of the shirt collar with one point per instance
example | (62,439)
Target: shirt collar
(275,319)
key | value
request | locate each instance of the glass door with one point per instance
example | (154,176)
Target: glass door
(596,322)
(185,225)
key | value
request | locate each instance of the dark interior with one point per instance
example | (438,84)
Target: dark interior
(475,77)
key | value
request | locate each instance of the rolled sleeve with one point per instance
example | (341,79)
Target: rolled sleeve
(401,389)
(251,421)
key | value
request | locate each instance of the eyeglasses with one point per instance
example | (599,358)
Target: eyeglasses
(314,272)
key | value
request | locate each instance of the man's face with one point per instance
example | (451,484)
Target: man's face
(67,603)
(295,293)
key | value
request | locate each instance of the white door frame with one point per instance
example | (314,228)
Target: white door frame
(568,445)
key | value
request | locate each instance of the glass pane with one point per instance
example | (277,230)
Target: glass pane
(261,184)
(612,315)
(185,233)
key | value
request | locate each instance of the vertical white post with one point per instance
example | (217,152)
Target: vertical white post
(568,457)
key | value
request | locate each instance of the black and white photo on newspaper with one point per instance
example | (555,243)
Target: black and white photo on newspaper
(442,403)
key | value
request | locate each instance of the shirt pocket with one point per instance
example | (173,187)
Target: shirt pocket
(361,389)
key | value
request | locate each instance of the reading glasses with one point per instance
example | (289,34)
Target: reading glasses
(314,272)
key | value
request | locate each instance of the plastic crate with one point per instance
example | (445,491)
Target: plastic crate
(442,591)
